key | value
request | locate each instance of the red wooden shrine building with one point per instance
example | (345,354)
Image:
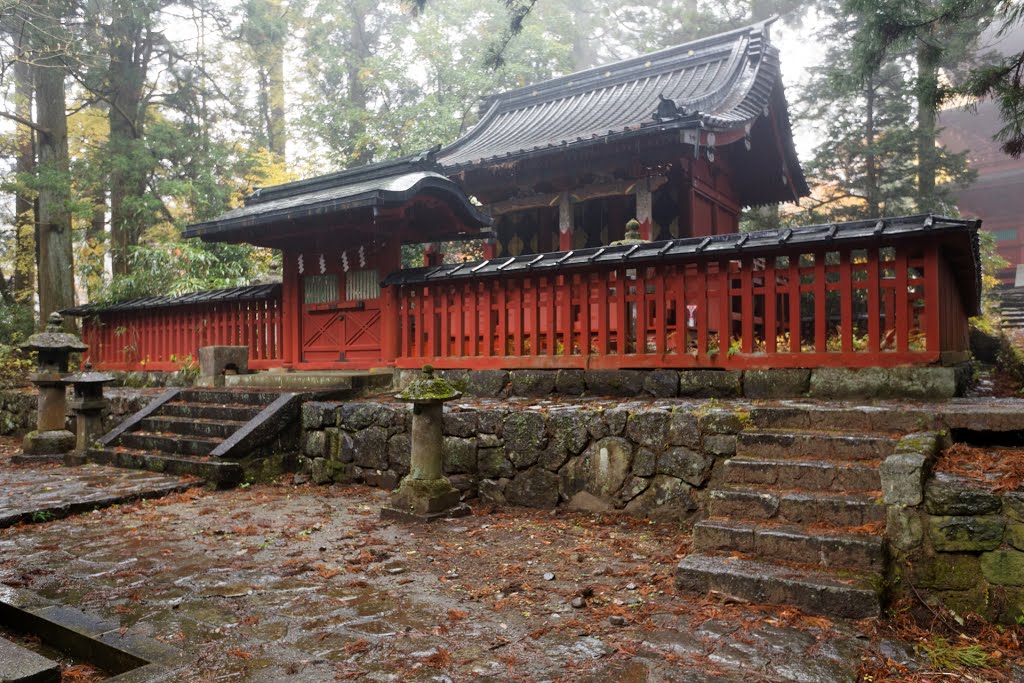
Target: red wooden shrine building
(681,140)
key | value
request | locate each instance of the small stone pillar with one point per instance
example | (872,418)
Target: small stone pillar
(217,361)
(88,404)
(54,349)
(425,493)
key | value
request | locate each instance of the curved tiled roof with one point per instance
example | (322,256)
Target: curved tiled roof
(209,296)
(719,83)
(386,184)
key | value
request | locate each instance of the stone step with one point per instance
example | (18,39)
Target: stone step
(299,381)
(796,507)
(213,429)
(203,411)
(791,543)
(811,444)
(850,596)
(176,445)
(815,475)
(18,664)
(895,419)
(219,472)
(229,397)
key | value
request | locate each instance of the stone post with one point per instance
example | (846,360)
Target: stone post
(53,348)
(426,494)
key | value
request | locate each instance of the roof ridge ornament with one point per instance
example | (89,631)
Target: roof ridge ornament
(668,110)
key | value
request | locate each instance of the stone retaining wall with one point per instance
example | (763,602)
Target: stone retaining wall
(642,459)
(18,410)
(954,540)
(825,383)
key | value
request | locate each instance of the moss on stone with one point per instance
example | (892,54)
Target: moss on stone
(1003,567)
(429,389)
(966,534)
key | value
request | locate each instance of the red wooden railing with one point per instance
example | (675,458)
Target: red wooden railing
(863,302)
(850,307)
(168,338)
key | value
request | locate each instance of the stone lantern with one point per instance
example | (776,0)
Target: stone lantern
(54,348)
(88,403)
(425,493)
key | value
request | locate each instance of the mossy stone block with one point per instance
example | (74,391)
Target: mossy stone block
(946,572)
(648,428)
(948,495)
(1003,567)
(459,455)
(1015,535)
(711,383)
(966,534)
(524,437)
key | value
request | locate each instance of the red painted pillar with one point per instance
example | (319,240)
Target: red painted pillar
(390,325)
(290,309)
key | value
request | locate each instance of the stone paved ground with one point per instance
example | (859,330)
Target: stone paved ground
(42,492)
(305,583)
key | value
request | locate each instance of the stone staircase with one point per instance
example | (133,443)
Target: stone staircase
(796,519)
(221,436)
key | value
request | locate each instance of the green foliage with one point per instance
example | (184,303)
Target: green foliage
(946,656)
(16,324)
(867,163)
(1010,361)
(991,264)
(178,267)
(15,367)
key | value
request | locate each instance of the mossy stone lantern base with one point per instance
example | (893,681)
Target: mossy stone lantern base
(426,494)
(53,347)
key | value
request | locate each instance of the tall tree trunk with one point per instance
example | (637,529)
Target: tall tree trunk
(56,277)
(361,153)
(927,95)
(128,158)
(871,193)
(95,235)
(265,30)
(25,219)
(276,135)
(584,55)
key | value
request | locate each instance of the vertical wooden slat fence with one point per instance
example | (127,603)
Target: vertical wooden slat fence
(822,307)
(168,338)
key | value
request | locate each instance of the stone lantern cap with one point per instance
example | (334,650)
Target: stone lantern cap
(89,376)
(429,389)
(53,339)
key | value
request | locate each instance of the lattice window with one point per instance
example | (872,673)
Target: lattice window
(362,284)
(320,289)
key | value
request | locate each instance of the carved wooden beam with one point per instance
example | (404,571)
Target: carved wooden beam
(533,201)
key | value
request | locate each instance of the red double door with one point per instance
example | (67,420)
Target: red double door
(340,296)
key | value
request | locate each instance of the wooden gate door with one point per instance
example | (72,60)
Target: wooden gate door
(341,313)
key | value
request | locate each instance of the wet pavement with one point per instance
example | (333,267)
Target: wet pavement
(307,584)
(35,493)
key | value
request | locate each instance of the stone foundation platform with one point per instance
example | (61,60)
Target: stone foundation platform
(923,383)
